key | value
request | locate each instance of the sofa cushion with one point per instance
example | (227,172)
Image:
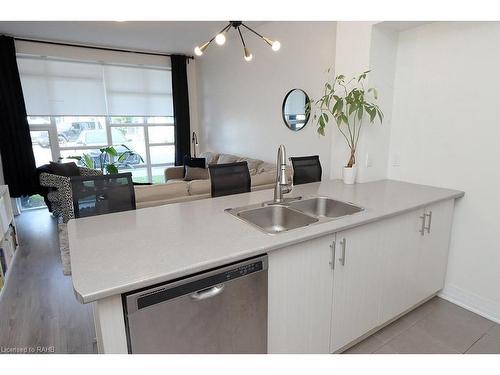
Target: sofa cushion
(210,157)
(227,158)
(199,187)
(193,173)
(266,167)
(264,178)
(253,164)
(64,169)
(193,162)
(161,191)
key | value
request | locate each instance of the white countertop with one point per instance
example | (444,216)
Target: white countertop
(120,252)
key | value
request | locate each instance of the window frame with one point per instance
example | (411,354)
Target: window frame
(56,148)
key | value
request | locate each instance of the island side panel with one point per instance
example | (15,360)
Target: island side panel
(110,326)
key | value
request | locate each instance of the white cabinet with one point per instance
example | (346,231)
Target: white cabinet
(389,267)
(300,297)
(399,256)
(356,283)
(433,249)
(380,270)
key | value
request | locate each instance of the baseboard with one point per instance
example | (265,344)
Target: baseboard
(485,307)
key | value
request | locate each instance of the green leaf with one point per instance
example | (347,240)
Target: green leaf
(88,161)
(360,113)
(336,106)
(123,156)
(111,169)
(380,115)
(321,130)
(375,93)
(111,151)
(322,120)
(341,105)
(352,108)
(371,112)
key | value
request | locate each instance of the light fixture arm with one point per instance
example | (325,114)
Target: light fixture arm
(241,37)
(253,31)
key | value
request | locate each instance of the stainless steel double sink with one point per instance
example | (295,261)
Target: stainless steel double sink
(294,213)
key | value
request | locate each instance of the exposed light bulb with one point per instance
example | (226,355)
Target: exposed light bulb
(276,45)
(248,54)
(198,51)
(220,39)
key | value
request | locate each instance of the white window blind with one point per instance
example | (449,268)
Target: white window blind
(54,87)
(134,91)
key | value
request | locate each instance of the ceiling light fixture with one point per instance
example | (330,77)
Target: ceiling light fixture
(220,39)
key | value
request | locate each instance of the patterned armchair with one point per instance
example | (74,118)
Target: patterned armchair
(61,200)
(60,196)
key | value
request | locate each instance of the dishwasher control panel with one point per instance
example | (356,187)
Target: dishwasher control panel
(244,270)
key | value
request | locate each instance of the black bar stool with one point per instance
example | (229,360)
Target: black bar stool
(306,169)
(230,178)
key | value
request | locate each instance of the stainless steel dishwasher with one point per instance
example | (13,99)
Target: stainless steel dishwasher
(223,310)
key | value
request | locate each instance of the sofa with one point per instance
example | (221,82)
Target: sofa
(175,189)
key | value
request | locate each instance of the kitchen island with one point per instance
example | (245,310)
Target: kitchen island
(122,252)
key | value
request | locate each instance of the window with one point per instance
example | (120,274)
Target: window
(77,107)
(150,138)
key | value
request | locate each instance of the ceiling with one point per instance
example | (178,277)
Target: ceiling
(165,36)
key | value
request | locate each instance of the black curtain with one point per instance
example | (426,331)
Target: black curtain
(181,108)
(15,141)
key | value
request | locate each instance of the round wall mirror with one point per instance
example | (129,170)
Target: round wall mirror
(294,109)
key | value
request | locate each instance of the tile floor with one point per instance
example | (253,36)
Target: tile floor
(436,327)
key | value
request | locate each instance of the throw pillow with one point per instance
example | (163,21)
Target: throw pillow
(64,169)
(253,165)
(194,173)
(210,157)
(193,162)
(227,158)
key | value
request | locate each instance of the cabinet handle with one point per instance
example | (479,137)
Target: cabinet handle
(428,227)
(332,262)
(342,258)
(422,229)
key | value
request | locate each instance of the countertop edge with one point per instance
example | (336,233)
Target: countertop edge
(93,297)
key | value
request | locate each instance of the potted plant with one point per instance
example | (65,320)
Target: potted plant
(350,105)
(103,160)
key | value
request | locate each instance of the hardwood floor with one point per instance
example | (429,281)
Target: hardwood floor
(38,310)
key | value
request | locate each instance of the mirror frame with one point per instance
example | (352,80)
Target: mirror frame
(283,110)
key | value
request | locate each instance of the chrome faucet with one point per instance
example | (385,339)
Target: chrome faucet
(282,186)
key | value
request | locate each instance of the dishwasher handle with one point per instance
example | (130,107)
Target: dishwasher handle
(207,293)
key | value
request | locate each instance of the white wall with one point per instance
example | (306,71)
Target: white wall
(363,46)
(445,132)
(240,103)
(352,56)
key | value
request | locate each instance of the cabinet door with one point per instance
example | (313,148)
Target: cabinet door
(300,297)
(356,284)
(399,246)
(433,252)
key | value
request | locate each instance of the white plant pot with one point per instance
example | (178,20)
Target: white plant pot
(349,175)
